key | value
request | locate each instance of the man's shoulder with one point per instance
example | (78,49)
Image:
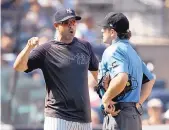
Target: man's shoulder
(82,41)
(49,43)
(44,47)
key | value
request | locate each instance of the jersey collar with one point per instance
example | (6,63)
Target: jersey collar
(120,40)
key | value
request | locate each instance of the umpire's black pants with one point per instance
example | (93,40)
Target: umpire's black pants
(127,119)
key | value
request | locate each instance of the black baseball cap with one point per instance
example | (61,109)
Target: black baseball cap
(63,14)
(117,21)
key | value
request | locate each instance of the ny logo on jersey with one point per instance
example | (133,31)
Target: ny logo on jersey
(69,11)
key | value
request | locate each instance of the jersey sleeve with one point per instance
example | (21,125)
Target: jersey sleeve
(147,75)
(36,57)
(118,63)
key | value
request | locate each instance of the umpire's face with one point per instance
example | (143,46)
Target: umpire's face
(67,28)
(108,35)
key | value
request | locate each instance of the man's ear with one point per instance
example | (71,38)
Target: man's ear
(112,32)
(55,25)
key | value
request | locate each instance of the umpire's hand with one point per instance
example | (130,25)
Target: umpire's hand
(33,42)
(110,108)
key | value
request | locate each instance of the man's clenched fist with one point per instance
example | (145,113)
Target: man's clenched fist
(32,42)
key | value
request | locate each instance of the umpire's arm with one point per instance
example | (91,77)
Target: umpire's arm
(148,82)
(116,86)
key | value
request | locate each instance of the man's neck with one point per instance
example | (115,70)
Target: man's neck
(118,39)
(64,40)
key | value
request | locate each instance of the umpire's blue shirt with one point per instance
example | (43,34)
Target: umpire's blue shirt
(120,57)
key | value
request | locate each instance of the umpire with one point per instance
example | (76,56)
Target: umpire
(130,81)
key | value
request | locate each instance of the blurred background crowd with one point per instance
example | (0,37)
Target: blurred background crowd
(22,95)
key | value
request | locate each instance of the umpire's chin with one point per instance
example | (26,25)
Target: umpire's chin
(106,40)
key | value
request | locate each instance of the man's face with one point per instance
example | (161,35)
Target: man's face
(67,28)
(107,35)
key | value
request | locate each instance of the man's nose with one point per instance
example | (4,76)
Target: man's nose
(70,25)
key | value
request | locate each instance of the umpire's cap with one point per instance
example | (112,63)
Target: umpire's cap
(63,14)
(117,21)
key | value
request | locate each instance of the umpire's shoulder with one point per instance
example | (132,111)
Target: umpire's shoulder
(111,50)
(115,50)
(122,46)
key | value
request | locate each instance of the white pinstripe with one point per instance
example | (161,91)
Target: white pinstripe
(60,124)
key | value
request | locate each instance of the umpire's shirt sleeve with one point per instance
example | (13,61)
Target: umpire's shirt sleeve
(93,62)
(36,57)
(118,63)
(147,75)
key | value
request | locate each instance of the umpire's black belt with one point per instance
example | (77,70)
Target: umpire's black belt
(122,105)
